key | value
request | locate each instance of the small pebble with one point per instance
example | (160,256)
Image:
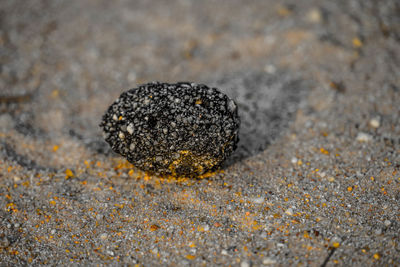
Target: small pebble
(289,211)
(375,123)
(331,179)
(4,242)
(111,253)
(268,261)
(258,200)
(271,69)
(387,223)
(244,264)
(224,252)
(103,236)
(314,15)
(294,160)
(364,137)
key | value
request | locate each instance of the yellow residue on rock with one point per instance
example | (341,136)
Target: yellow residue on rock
(198,164)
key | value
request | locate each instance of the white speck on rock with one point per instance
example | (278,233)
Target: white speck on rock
(132,147)
(294,160)
(130,128)
(244,264)
(224,252)
(231,106)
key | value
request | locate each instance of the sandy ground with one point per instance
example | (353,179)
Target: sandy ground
(316,178)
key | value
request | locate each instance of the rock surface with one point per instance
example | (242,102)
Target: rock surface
(181,129)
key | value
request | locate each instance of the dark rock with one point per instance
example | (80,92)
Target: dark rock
(182,129)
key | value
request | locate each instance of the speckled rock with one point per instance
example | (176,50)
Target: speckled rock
(182,129)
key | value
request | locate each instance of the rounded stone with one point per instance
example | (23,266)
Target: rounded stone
(182,129)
